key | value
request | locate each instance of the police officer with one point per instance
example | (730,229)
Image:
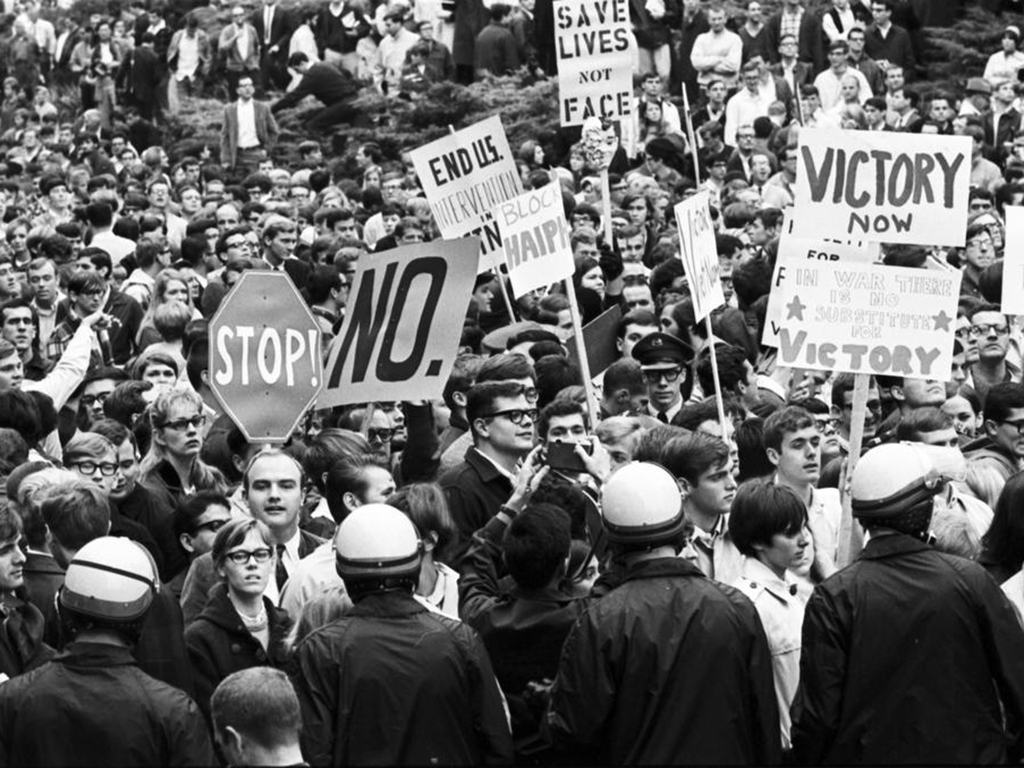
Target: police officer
(665,362)
(391,682)
(670,667)
(92,702)
(909,655)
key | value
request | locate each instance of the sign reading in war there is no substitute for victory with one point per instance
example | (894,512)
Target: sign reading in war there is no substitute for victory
(868,318)
(882,186)
(595,60)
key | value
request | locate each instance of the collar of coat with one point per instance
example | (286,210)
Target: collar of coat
(892,544)
(84,654)
(390,603)
(662,567)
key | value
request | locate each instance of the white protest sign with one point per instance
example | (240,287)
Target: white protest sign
(882,186)
(595,60)
(699,253)
(1013,262)
(403,323)
(535,238)
(793,251)
(869,318)
(464,175)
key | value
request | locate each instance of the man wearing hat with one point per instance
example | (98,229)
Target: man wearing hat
(1004,64)
(665,362)
(979,97)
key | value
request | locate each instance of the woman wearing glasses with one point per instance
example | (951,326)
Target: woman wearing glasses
(239,627)
(172,469)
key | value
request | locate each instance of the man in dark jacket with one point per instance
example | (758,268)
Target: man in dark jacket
(669,667)
(496,52)
(392,682)
(335,87)
(909,655)
(92,704)
(996,455)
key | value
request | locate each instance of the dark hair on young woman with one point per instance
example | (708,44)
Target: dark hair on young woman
(1002,546)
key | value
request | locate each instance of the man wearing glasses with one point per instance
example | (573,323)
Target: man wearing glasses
(996,455)
(990,331)
(501,421)
(665,362)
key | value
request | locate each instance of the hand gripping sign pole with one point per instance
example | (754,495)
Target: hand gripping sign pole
(850,539)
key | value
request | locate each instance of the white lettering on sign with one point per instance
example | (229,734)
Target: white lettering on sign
(272,357)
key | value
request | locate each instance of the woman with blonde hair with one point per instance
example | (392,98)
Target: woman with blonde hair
(172,468)
(170,285)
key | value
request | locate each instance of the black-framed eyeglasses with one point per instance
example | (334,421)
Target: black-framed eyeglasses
(90,400)
(668,374)
(180,425)
(983,329)
(106,468)
(241,557)
(1018,425)
(531,394)
(826,424)
(212,526)
(380,434)
(873,405)
(515,415)
(632,280)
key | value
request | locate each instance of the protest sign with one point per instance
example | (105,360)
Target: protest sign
(699,253)
(464,176)
(869,318)
(535,239)
(792,252)
(265,363)
(595,60)
(882,186)
(403,322)
(599,339)
(1013,262)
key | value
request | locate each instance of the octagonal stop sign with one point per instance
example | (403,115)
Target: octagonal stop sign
(266,366)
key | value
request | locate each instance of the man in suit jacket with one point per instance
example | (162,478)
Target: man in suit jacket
(238,48)
(280,237)
(248,132)
(274,29)
(146,74)
(68,37)
(810,38)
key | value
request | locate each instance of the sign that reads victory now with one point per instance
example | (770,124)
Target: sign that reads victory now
(403,322)
(882,186)
(869,318)
(699,253)
(464,176)
(595,60)
(535,238)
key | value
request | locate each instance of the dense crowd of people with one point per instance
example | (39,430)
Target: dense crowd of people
(492,576)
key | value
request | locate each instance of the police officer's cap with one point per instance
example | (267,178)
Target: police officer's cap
(662,350)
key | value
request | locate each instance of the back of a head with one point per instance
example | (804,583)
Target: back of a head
(536,545)
(76,513)
(260,705)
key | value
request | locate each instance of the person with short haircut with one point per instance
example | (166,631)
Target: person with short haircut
(495,52)
(768,524)
(996,455)
(334,87)
(21,623)
(256,718)
(249,131)
(623,389)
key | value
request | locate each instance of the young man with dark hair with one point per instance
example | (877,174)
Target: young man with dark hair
(623,390)
(632,327)
(735,374)
(997,455)
(768,524)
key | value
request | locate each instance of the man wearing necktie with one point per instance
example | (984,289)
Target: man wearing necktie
(665,361)
(274,31)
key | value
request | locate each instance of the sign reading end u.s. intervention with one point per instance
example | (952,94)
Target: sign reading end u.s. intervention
(464,175)
(595,60)
(403,323)
(882,186)
(869,318)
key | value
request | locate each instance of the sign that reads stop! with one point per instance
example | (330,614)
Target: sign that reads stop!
(265,362)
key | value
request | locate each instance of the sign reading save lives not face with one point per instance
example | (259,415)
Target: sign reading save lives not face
(403,323)
(595,59)
(464,176)
(867,318)
(882,186)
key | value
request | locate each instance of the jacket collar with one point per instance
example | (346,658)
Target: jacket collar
(391,603)
(662,567)
(484,467)
(86,654)
(892,545)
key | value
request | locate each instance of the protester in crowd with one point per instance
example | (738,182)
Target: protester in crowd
(256,718)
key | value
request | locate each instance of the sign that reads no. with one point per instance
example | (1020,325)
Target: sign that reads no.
(464,175)
(403,323)
(265,362)
(882,186)
(595,60)
(699,253)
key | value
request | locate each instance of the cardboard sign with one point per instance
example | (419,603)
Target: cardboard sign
(535,239)
(882,186)
(464,176)
(699,253)
(1013,262)
(869,318)
(595,60)
(599,339)
(793,251)
(403,322)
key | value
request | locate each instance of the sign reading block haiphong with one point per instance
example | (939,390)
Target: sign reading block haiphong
(882,186)
(869,318)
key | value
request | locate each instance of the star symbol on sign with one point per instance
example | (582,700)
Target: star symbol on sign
(796,309)
(941,321)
